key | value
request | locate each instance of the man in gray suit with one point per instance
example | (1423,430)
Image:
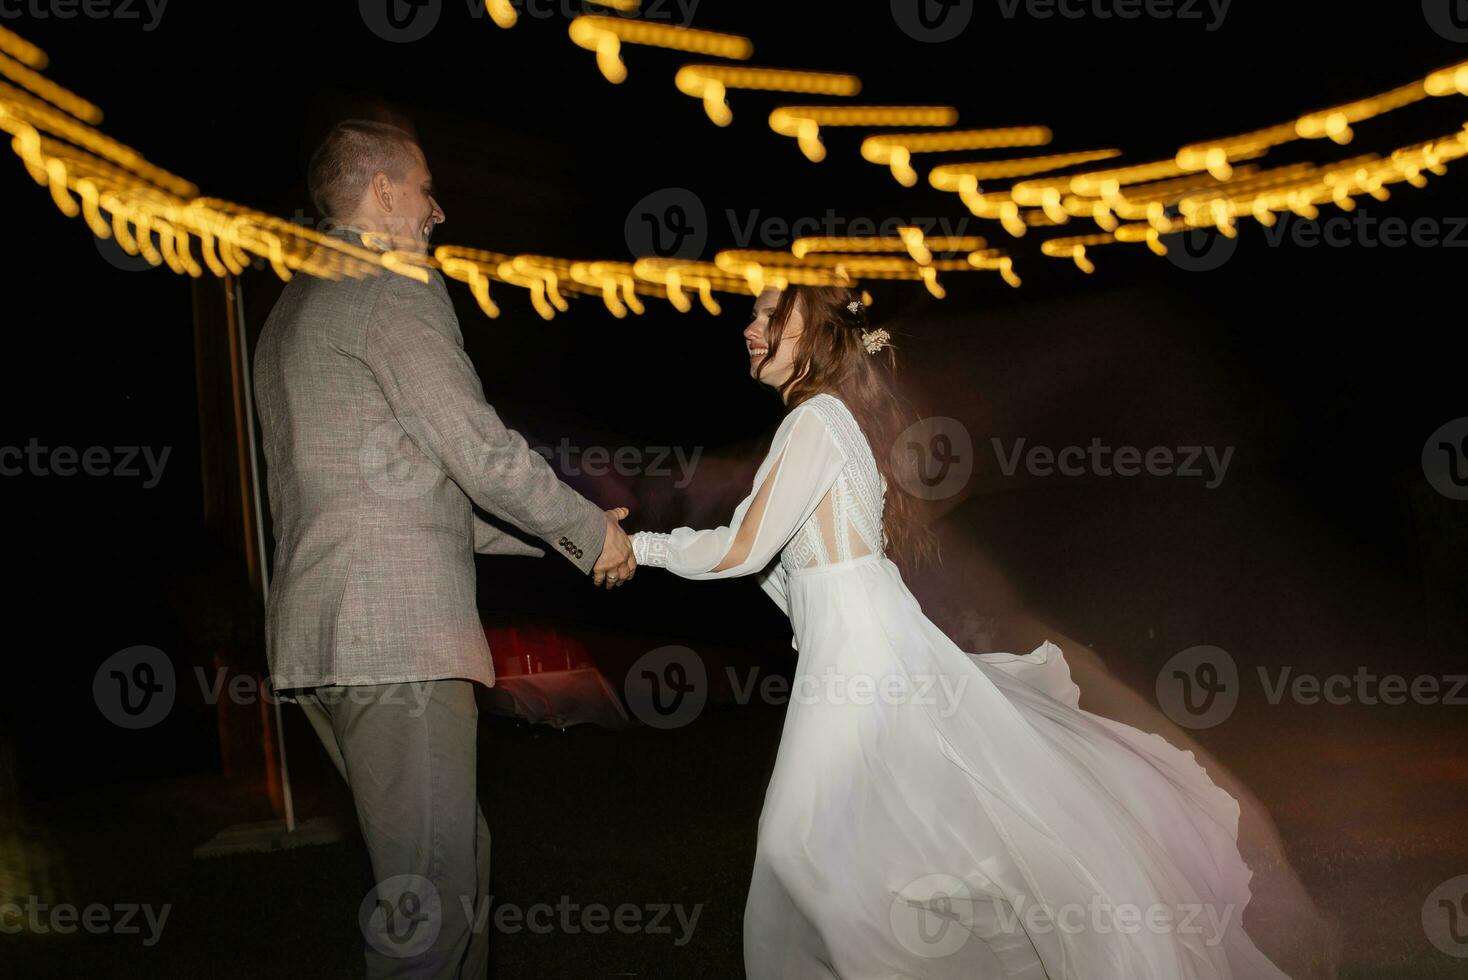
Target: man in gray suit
(381,453)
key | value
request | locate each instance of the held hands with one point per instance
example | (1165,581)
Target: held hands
(616,564)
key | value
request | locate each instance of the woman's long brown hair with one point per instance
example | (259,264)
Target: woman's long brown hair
(831,357)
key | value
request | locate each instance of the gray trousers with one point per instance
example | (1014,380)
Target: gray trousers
(407,751)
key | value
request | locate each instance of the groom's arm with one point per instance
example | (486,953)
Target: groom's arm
(491,539)
(416,351)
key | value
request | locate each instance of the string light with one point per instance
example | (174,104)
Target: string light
(996,261)
(157,215)
(677,275)
(33,81)
(946,177)
(910,239)
(504,14)
(1334,123)
(616,281)
(606,35)
(711,82)
(26,107)
(895,150)
(805,122)
(22,50)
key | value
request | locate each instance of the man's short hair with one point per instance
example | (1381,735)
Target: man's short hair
(354,150)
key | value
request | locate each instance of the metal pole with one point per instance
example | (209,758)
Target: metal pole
(285,772)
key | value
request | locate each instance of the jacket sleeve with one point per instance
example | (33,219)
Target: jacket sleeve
(803,462)
(415,350)
(491,539)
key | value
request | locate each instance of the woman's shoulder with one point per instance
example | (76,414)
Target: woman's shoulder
(831,411)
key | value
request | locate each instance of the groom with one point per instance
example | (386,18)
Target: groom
(381,453)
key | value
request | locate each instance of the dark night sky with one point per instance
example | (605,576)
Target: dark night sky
(1335,354)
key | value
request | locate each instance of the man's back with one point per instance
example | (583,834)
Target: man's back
(381,453)
(374,572)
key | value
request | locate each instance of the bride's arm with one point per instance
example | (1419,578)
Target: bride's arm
(802,464)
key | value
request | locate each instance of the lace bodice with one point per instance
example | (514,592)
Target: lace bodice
(817,500)
(848,521)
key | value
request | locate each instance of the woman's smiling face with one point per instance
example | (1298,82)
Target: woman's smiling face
(778,369)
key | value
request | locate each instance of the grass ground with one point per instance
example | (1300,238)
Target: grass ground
(656,818)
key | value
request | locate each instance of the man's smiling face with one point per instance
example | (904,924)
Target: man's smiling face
(415,212)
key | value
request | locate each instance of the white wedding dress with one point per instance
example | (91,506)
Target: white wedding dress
(937,814)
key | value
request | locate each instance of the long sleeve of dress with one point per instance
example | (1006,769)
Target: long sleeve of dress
(803,463)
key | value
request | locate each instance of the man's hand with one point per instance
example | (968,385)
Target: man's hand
(616,564)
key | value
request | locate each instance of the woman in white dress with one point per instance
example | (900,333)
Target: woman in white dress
(936,814)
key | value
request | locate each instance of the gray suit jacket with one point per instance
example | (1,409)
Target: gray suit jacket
(377,439)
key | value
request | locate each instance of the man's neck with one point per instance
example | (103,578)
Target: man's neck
(373,233)
(356,225)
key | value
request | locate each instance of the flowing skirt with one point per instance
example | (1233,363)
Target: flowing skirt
(937,814)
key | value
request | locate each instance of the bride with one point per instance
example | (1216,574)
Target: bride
(932,813)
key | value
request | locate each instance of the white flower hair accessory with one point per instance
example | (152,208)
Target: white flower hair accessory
(854,306)
(875,340)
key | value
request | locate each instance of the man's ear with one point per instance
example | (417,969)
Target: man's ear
(382,190)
